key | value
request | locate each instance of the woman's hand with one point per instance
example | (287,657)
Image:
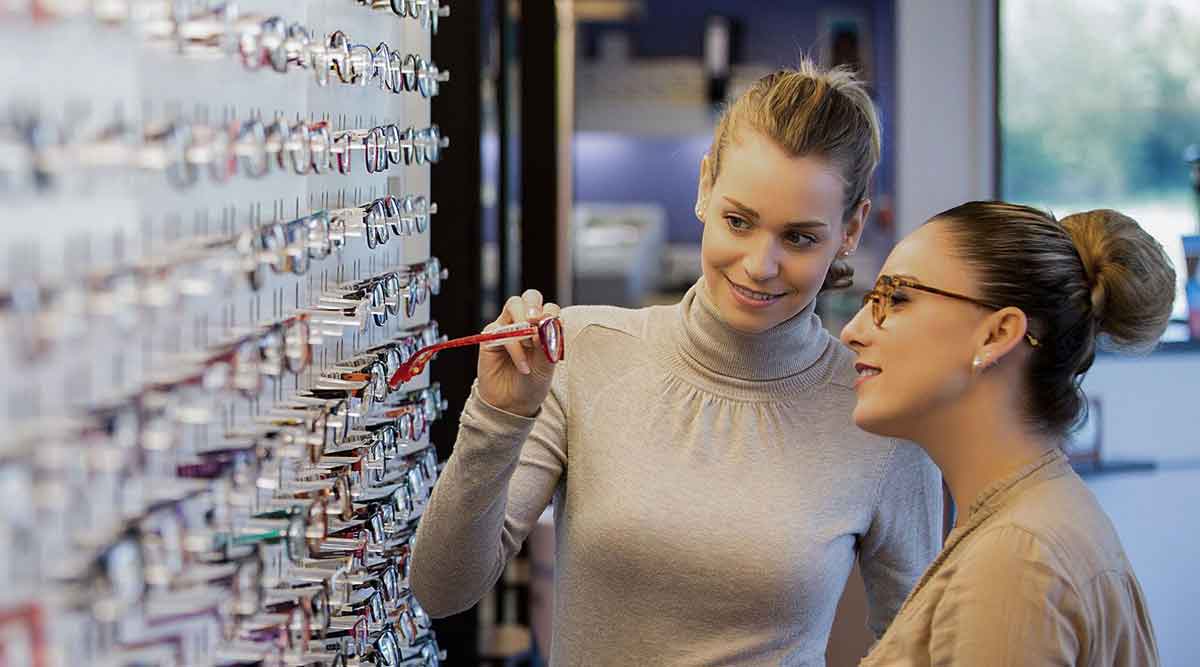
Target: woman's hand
(516,377)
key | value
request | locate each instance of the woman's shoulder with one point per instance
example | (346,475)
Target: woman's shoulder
(630,322)
(604,342)
(1062,518)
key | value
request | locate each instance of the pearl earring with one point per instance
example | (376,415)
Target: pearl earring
(976,363)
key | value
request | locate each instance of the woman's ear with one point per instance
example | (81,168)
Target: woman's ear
(704,188)
(1004,331)
(853,226)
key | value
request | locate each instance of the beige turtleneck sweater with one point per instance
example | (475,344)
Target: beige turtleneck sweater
(710,491)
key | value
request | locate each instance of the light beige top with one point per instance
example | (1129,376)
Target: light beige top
(1033,575)
(711,494)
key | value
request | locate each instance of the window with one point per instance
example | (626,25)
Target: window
(1098,102)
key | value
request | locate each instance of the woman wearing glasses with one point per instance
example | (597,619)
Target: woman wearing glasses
(710,491)
(973,344)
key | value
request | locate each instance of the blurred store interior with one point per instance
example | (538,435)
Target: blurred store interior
(596,114)
(212,445)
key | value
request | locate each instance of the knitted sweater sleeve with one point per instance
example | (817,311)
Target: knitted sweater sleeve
(905,533)
(501,476)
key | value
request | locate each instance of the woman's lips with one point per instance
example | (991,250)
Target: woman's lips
(752,298)
(865,372)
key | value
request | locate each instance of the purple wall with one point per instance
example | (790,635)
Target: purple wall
(616,167)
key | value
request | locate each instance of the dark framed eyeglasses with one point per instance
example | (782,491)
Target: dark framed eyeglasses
(881,299)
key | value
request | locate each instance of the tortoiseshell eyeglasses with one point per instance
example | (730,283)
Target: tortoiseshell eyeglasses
(881,299)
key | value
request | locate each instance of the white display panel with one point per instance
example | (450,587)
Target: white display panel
(111,284)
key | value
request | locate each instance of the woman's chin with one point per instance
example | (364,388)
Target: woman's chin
(872,422)
(756,320)
(745,324)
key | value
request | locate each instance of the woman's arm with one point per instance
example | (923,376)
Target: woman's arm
(905,534)
(501,476)
(510,452)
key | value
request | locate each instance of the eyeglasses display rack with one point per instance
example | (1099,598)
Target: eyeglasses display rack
(214,255)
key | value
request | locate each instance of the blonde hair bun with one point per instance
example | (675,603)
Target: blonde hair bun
(1131,277)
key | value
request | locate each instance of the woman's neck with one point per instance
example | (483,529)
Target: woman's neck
(786,350)
(979,441)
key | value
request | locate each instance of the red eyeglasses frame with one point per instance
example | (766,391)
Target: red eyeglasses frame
(544,329)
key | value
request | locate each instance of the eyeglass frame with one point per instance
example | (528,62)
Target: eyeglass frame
(254,148)
(542,330)
(428,12)
(890,283)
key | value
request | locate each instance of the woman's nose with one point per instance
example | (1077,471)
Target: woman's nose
(760,262)
(855,333)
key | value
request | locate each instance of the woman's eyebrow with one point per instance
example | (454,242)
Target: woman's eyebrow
(742,208)
(807,224)
(754,216)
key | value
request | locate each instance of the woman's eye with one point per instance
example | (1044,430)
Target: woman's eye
(736,223)
(799,240)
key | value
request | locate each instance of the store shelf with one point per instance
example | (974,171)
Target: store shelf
(661,97)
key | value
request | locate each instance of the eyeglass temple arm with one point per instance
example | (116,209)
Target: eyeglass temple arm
(416,364)
(952,295)
(962,297)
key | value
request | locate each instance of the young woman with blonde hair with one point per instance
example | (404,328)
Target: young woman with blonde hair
(710,491)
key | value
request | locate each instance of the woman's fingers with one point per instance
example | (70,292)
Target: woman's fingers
(514,310)
(517,353)
(525,308)
(533,303)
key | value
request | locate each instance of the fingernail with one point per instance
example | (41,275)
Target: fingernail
(523,367)
(532,312)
